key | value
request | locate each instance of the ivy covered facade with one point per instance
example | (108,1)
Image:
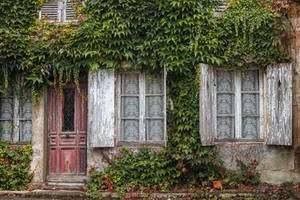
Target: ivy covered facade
(195,78)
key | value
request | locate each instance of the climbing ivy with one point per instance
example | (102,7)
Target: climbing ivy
(150,34)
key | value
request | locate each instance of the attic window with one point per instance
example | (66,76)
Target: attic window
(221,8)
(59,11)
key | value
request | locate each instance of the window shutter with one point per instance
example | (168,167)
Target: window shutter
(221,8)
(101,112)
(69,10)
(279,104)
(207,107)
(51,11)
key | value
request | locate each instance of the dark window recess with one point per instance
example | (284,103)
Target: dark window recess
(68,110)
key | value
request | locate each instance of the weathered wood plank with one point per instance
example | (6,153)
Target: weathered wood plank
(101,92)
(279,104)
(207,108)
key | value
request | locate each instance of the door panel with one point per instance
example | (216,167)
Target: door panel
(67,130)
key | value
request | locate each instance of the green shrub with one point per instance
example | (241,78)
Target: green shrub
(14,166)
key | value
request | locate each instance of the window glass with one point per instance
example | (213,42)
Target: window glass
(16,118)
(250,104)
(154,108)
(68,109)
(142,104)
(237,102)
(225,104)
(130,106)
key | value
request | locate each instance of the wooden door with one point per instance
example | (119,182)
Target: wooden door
(67,130)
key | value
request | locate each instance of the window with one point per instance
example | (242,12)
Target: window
(16,118)
(250,106)
(142,115)
(239,104)
(58,11)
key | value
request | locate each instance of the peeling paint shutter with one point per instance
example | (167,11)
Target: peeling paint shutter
(51,11)
(101,93)
(69,11)
(220,9)
(207,107)
(279,104)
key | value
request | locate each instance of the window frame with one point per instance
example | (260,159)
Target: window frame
(61,13)
(142,112)
(237,89)
(17,119)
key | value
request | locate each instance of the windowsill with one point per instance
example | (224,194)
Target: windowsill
(238,141)
(19,143)
(139,144)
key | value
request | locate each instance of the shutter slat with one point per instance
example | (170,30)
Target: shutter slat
(101,93)
(207,108)
(279,104)
(70,12)
(220,9)
(49,11)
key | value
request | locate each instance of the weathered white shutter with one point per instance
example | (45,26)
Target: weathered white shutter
(207,107)
(279,104)
(101,93)
(69,12)
(220,9)
(51,11)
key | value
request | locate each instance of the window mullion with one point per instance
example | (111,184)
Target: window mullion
(142,107)
(164,77)
(16,121)
(238,106)
(261,104)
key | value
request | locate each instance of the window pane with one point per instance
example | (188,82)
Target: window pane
(225,127)
(26,108)
(25,131)
(250,127)
(250,104)
(154,106)
(130,107)
(250,80)
(225,104)
(154,85)
(130,83)
(6,130)
(68,110)
(155,130)
(224,81)
(130,129)
(6,108)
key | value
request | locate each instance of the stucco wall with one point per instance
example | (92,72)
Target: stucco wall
(276,163)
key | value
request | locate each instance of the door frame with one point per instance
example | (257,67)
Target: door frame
(62,177)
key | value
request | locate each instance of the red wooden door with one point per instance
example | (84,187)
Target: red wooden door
(67,130)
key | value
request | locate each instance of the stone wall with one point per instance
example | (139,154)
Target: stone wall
(277,164)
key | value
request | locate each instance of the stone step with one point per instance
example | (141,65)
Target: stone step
(63,186)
